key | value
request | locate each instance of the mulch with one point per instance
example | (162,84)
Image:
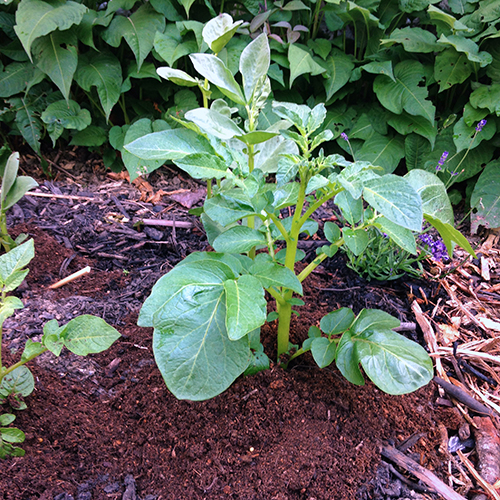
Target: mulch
(105,426)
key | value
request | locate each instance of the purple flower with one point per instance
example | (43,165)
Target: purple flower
(438,249)
(426,239)
(441,161)
(480,125)
(344,136)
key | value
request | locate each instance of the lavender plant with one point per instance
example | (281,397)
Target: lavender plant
(82,335)
(208,310)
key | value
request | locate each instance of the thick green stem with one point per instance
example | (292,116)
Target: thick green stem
(5,233)
(209,189)
(285,315)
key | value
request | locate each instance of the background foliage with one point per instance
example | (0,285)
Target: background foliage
(406,80)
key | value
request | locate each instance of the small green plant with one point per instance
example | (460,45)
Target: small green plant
(13,188)
(82,335)
(208,310)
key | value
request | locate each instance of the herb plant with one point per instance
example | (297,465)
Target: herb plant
(208,310)
(13,188)
(82,335)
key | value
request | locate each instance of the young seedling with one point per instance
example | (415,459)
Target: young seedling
(82,335)
(208,310)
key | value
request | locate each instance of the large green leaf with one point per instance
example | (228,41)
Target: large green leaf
(487,97)
(19,381)
(134,164)
(485,199)
(214,123)
(302,62)
(225,210)
(337,321)
(347,360)
(168,145)
(138,29)
(395,198)
(218,31)
(382,151)
(339,68)
(400,235)
(238,239)
(246,306)
(187,307)
(56,55)
(413,40)
(468,47)
(356,240)
(450,68)
(178,77)
(416,150)
(406,124)
(465,137)
(406,93)
(36,18)
(28,121)
(88,334)
(215,71)
(22,185)
(203,166)
(271,274)
(393,363)
(171,45)
(254,65)
(323,351)
(433,192)
(103,71)
(69,114)
(15,77)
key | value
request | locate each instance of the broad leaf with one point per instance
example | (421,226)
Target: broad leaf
(451,68)
(28,121)
(433,193)
(323,351)
(302,62)
(406,124)
(466,138)
(405,93)
(401,236)
(337,321)
(32,349)
(218,31)
(395,198)
(12,435)
(238,239)
(214,123)
(171,45)
(14,78)
(177,76)
(56,55)
(339,67)
(355,240)
(103,71)
(487,97)
(138,29)
(88,334)
(16,259)
(382,151)
(271,274)
(35,18)
(347,361)
(393,363)
(468,47)
(18,381)
(203,166)
(485,199)
(225,210)
(21,186)
(68,114)
(413,40)
(254,65)
(245,306)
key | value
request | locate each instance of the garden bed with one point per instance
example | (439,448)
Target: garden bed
(105,426)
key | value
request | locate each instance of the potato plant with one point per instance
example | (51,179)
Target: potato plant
(266,160)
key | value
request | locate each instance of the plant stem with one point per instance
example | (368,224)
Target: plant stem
(19,363)
(5,233)
(285,315)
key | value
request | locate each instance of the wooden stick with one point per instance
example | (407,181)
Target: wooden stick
(485,485)
(60,196)
(426,476)
(70,278)
(167,223)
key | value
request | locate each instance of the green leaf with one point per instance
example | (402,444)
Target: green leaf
(323,351)
(177,76)
(400,235)
(187,5)
(88,334)
(52,337)
(370,319)
(485,198)
(35,18)
(432,191)
(406,124)
(416,150)
(332,232)
(138,131)
(28,121)
(9,175)
(337,321)
(347,361)
(254,65)
(18,381)
(14,78)
(171,45)
(286,196)
(238,239)
(31,350)
(405,94)
(451,68)
(214,123)
(103,71)
(383,151)
(355,240)
(215,71)
(271,274)
(138,29)
(190,342)
(487,97)
(16,259)
(168,145)
(393,363)
(218,31)
(413,39)
(92,136)
(302,62)
(203,166)
(56,55)
(450,235)
(12,435)
(466,138)
(226,210)
(245,306)
(468,47)
(380,68)
(68,114)
(395,198)
(10,304)
(7,418)
(414,5)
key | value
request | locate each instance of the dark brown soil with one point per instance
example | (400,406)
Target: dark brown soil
(107,428)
